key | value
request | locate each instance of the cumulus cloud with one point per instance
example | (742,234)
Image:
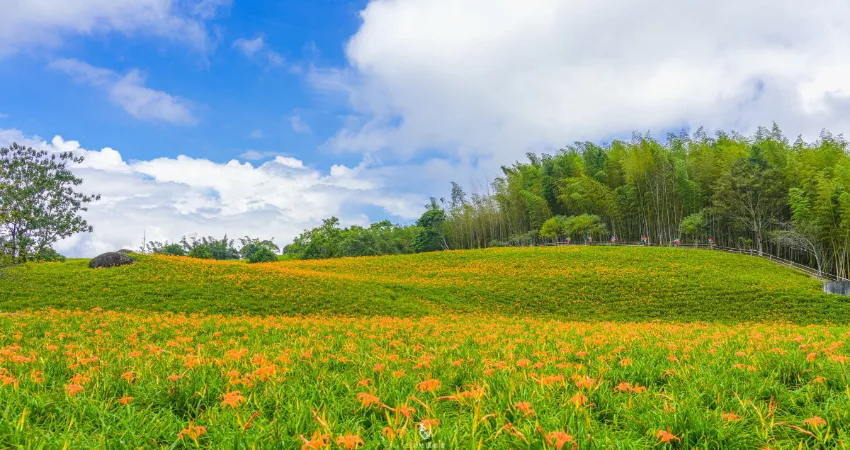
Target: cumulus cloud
(478,78)
(165,198)
(44,23)
(129,92)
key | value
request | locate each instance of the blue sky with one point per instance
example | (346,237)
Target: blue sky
(240,102)
(264,117)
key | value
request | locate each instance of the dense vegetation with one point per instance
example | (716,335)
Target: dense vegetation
(575,283)
(97,379)
(38,203)
(760,192)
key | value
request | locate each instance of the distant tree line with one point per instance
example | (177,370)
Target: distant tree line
(251,249)
(762,193)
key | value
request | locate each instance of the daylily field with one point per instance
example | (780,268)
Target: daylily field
(510,348)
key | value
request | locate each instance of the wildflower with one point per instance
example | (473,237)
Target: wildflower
(623,387)
(368,399)
(559,439)
(349,441)
(811,357)
(666,437)
(523,363)
(316,442)
(192,432)
(125,400)
(730,417)
(364,382)
(128,376)
(175,377)
(585,382)
(525,408)
(78,379)
(430,385)
(378,368)
(429,424)
(73,389)
(398,373)
(406,411)
(37,376)
(625,362)
(8,379)
(233,399)
(579,400)
(815,422)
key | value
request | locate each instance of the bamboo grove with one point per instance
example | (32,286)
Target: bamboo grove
(762,193)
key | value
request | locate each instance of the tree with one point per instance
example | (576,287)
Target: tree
(694,226)
(555,228)
(253,245)
(38,202)
(263,254)
(804,232)
(430,235)
(752,195)
(587,225)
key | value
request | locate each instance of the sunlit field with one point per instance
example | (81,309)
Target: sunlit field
(556,348)
(570,283)
(122,380)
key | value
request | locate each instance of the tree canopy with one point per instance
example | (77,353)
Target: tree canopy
(39,204)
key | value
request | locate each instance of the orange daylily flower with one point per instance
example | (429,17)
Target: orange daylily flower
(349,441)
(233,399)
(815,422)
(666,437)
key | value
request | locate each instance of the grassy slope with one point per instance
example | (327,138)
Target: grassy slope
(575,283)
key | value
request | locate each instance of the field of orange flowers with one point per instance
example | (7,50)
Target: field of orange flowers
(110,379)
(570,283)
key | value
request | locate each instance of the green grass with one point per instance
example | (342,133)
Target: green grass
(568,283)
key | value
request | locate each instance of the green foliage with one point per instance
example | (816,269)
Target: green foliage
(261,255)
(694,226)
(555,228)
(173,250)
(250,246)
(47,254)
(565,283)
(430,235)
(758,192)
(38,202)
(201,252)
(710,386)
(330,241)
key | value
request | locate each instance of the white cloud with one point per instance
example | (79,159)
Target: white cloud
(496,79)
(165,198)
(255,155)
(298,125)
(256,134)
(3,116)
(275,58)
(129,92)
(45,23)
(249,47)
(253,47)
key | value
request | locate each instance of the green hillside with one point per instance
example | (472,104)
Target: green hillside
(575,283)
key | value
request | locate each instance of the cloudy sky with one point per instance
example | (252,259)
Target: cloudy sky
(263,117)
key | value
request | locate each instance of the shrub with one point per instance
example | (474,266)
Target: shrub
(263,254)
(47,254)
